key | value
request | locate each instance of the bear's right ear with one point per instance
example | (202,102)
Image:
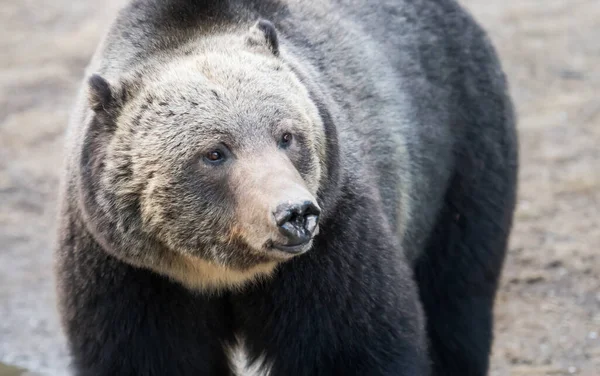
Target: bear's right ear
(100,94)
(105,98)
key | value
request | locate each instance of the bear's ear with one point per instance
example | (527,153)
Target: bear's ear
(263,33)
(105,98)
(100,94)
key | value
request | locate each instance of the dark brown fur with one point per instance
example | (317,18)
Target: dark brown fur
(403,135)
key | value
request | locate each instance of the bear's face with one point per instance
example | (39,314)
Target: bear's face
(229,150)
(218,160)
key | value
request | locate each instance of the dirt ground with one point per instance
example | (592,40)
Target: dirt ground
(548,311)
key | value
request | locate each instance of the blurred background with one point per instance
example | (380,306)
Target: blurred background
(548,309)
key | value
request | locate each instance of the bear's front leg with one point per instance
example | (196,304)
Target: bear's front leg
(122,320)
(348,307)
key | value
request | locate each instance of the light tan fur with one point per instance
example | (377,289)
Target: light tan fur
(198,274)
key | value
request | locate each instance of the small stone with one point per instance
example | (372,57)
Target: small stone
(571,74)
(593,335)
(554,264)
(572,369)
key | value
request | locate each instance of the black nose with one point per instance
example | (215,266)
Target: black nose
(297,221)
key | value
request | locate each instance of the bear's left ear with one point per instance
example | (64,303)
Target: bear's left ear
(263,33)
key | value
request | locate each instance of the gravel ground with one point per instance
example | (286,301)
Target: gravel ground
(548,311)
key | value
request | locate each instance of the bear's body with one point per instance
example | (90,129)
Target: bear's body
(412,157)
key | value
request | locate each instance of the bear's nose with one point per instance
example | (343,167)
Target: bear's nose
(297,221)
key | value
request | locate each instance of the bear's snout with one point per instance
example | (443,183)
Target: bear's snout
(297,222)
(277,214)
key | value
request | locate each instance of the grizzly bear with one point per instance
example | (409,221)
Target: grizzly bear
(325,186)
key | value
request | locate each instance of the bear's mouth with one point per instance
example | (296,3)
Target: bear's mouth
(291,249)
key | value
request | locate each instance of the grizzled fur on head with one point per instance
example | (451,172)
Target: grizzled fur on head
(148,195)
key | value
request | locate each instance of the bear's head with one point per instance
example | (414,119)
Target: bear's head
(206,168)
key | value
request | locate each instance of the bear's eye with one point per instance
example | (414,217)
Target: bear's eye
(214,156)
(286,140)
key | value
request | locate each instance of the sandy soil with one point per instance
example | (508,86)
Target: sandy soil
(548,311)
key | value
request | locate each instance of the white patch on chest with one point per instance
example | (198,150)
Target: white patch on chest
(237,356)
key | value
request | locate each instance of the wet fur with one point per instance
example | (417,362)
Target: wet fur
(417,165)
